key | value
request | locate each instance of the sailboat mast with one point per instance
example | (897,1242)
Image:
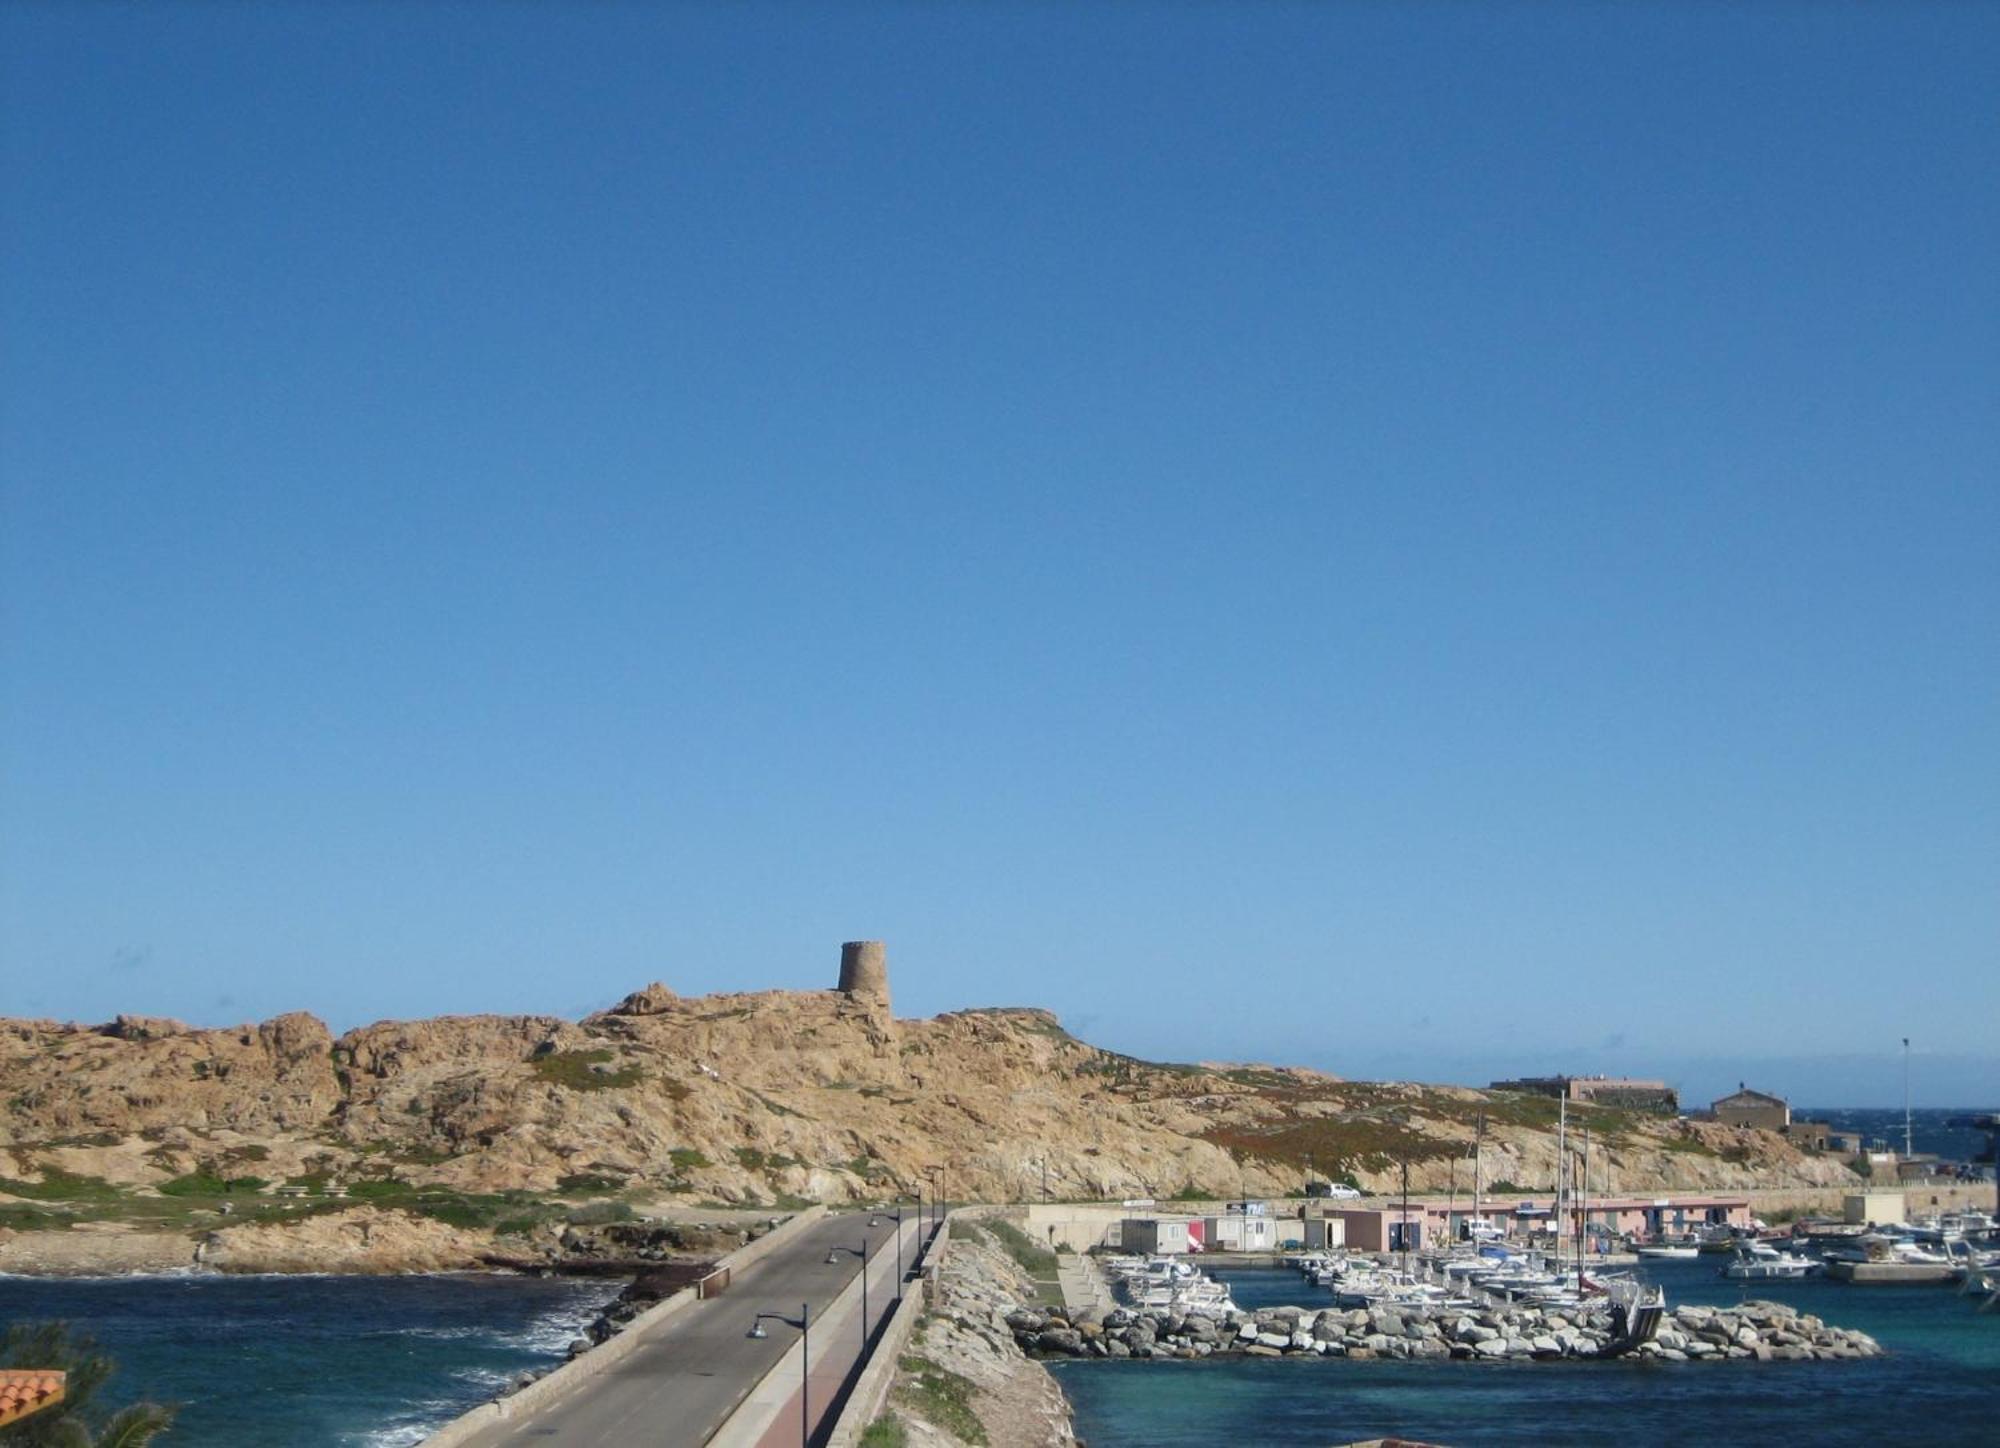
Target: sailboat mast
(1583,1199)
(1562,1160)
(1478,1144)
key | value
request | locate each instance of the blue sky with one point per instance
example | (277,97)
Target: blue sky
(1429,540)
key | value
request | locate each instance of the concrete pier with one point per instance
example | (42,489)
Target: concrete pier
(1890,1272)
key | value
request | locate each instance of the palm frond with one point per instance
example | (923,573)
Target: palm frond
(134,1427)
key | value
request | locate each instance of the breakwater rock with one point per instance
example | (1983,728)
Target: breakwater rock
(1767,1331)
(961,1380)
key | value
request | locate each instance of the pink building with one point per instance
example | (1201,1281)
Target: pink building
(1434,1223)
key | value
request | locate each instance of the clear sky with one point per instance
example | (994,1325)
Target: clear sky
(1433,540)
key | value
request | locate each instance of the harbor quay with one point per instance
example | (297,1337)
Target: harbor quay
(1369,1225)
(1374,1223)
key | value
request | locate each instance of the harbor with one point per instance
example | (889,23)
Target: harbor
(1369,1287)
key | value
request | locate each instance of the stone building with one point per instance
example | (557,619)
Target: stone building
(1744,1107)
(1628,1092)
(864,973)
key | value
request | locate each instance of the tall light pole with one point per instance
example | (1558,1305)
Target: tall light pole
(899,1254)
(1907,1150)
(803,1322)
(833,1256)
(936,1174)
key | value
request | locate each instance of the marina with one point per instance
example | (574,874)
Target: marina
(1935,1374)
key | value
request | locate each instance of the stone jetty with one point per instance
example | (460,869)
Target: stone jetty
(1766,1331)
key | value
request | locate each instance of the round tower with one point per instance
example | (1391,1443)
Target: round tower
(864,971)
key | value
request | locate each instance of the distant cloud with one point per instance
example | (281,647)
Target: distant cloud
(128,958)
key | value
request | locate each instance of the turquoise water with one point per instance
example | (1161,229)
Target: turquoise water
(1939,1383)
(374,1362)
(358,1362)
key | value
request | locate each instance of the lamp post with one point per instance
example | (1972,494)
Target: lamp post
(832,1257)
(936,1174)
(803,1322)
(899,1254)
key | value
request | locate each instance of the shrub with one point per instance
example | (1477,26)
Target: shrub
(597,1214)
(578,1070)
(194,1184)
(60,1186)
(887,1432)
(941,1396)
(376,1189)
(1033,1258)
(587,1183)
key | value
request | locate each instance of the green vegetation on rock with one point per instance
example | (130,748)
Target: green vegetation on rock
(940,1396)
(1032,1257)
(580,1070)
(61,1186)
(885,1432)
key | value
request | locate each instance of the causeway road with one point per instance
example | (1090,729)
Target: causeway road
(693,1369)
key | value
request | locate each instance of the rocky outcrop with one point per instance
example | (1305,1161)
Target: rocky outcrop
(1767,1331)
(360,1240)
(758,1099)
(652,1001)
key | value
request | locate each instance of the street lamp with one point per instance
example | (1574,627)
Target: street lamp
(899,1254)
(803,1322)
(833,1257)
(936,1174)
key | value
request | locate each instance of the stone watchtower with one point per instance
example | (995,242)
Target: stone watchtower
(864,973)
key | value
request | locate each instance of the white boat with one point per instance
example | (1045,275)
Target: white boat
(1668,1249)
(1757,1261)
(1166,1284)
(1884,1247)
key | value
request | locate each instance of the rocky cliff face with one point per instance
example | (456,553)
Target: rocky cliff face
(771,1097)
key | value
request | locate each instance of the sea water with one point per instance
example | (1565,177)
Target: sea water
(357,1362)
(1938,1383)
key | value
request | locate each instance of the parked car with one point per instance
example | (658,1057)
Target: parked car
(1332,1189)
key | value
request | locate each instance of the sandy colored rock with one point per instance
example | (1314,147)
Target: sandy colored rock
(767,1097)
(96,1250)
(362,1239)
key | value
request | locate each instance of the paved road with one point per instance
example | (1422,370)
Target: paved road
(693,1369)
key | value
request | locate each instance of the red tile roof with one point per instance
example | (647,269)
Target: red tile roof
(27,1391)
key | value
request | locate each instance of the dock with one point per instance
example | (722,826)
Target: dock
(1891,1272)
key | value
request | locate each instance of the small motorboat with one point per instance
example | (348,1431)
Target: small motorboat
(1757,1261)
(1668,1249)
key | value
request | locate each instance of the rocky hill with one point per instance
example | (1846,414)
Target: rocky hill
(760,1099)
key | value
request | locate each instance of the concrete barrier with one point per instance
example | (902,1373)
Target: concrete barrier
(871,1389)
(607,1355)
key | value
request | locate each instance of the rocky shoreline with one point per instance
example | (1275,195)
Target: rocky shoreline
(372,1241)
(1765,1331)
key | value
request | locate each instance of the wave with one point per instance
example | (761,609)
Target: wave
(150,1274)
